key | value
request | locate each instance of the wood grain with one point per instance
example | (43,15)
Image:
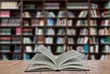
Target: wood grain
(18,67)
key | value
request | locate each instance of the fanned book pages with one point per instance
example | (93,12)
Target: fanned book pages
(46,61)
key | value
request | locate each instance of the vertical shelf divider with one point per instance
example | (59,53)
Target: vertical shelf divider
(21,17)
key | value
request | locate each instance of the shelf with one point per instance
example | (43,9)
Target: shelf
(9,35)
(26,9)
(10,52)
(11,44)
(9,26)
(40,6)
(100,18)
(10,17)
(100,53)
(9,9)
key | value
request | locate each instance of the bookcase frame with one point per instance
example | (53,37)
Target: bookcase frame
(21,9)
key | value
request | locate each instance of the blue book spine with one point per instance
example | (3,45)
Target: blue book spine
(86,48)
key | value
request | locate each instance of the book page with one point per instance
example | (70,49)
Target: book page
(66,56)
(47,53)
(75,62)
(40,61)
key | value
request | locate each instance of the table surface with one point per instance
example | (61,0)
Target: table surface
(18,67)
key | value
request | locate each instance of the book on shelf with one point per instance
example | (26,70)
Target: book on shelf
(61,22)
(40,39)
(10,22)
(28,49)
(49,40)
(86,48)
(84,31)
(93,31)
(61,32)
(104,31)
(16,56)
(80,5)
(106,13)
(46,61)
(94,40)
(69,22)
(70,40)
(29,6)
(26,14)
(50,31)
(105,40)
(16,40)
(60,40)
(92,57)
(5,40)
(80,49)
(9,5)
(27,31)
(39,14)
(26,56)
(105,49)
(70,14)
(60,49)
(18,31)
(71,32)
(103,57)
(4,13)
(17,48)
(5,48)
(51,5)
(83,14)
(39,31)
(36,50)
(26,23)
(82,23)
(69,48)
(105,22)
(63,13)
(5,57)
(82,40)
(37,22)
(50,22)
(5,31)
(27,40)
(93,23)
(107,5)
(94,13)
(49,14)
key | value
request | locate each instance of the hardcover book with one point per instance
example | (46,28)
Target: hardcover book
(46,61)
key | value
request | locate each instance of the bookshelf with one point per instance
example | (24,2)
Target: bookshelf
(61,25)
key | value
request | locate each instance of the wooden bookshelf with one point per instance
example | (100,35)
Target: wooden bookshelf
(40,23)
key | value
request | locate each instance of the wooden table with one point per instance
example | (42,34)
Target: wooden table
(18,67)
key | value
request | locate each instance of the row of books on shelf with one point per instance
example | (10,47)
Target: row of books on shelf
(26,56)
(15,56)
(93,48)
(52,22)
(57,40)
(10,22)
(65,22)
(68,14)
(59,49)
(51,5)
(9,5)
(51,31)
(4,48)
(102,57)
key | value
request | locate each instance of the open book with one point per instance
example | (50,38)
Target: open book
(46,61)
